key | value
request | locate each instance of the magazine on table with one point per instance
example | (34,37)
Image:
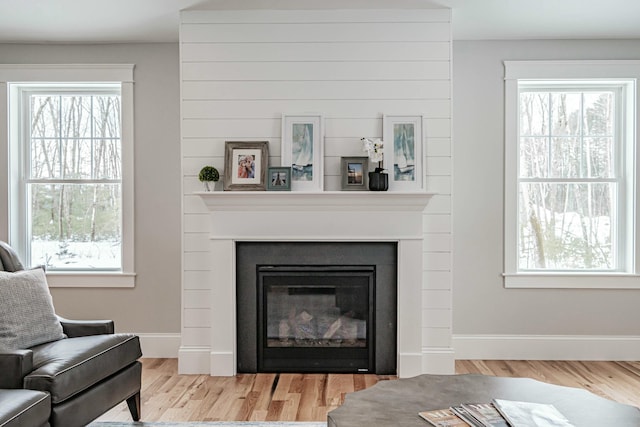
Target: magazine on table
(530,414)
(443,418)
(462,412)
(485,414)
(498,413)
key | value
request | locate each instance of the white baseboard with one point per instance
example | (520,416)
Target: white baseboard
(438,361)
(194,360)
(222,364)
(496,347)
(409,364)
(201,360)
(546,347)
(159,345)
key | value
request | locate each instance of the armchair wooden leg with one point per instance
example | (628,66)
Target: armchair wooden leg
(134,406)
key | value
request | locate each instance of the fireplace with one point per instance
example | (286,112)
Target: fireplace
(211,342)
(316,307)
(316,318)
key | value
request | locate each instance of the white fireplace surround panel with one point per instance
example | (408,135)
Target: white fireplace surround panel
(319,216)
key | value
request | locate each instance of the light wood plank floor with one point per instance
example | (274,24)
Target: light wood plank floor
(167,396)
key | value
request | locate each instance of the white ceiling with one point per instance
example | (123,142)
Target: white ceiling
(119,21)
(90,21)
(544,19)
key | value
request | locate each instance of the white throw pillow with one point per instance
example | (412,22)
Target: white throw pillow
(27,316)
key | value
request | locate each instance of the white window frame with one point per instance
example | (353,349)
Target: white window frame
(10,156)
(626,72)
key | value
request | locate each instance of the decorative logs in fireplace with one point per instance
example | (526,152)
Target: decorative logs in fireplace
(299,330)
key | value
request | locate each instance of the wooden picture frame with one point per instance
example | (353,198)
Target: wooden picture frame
(279,179)
(245,165)
(403,151)
(302,148)
(355,173)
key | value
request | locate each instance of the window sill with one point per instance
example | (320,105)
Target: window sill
(572,280)
(86,279)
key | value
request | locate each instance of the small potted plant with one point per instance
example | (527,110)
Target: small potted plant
(209,175)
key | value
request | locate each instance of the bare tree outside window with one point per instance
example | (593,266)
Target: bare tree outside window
(74,180)
(567,184)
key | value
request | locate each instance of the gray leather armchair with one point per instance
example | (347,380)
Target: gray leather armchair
(85,374)
(21,408)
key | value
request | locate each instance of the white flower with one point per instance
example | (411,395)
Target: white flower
(374,149)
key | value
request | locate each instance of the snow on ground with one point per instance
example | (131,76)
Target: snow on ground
(76,255)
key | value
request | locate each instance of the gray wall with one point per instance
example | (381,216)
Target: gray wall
(481,304)
(153,306)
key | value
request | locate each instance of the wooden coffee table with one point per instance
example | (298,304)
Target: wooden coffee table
(397,402)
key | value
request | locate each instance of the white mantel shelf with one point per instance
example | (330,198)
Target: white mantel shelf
(315,201)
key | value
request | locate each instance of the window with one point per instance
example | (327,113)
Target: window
(569,178)
(70,179)
(570,184)
(71,176)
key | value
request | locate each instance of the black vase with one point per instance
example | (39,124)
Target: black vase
(378,181)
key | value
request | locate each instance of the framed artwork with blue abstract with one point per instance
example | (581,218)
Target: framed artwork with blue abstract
(403,152)
(302,149)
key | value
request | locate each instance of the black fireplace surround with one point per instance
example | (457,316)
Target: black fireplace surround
(316,307)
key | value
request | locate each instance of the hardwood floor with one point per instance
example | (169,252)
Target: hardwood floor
(619,381)
(167,396)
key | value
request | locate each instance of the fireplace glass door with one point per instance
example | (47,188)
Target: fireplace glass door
(315,318)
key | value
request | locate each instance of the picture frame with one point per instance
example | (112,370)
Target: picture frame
(245,165)
(403,153)
(355,173)
(279,179)
(302,148)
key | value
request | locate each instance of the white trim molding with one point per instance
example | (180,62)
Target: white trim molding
(194,360)
(570,69)
(572,281)
(546,347)
(438,361)
(622,75)
(247,216)
(21,73)
(77,74)
(310,201)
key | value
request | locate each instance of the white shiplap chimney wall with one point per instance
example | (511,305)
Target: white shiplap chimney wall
(242,69)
